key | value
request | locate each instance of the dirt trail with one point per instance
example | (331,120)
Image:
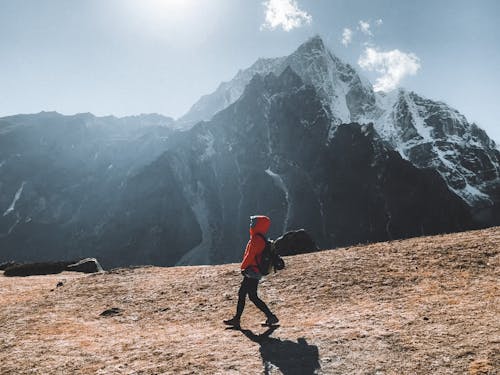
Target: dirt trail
(428,305)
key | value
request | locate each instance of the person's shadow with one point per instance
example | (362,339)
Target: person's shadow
(290,357)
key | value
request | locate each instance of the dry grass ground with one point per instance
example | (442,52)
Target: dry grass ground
(427,305)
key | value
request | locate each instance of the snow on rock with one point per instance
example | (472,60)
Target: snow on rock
(278,180)
(472,194)
(208,140)
(200,254)
(15,199)
(431,134)
(11,228)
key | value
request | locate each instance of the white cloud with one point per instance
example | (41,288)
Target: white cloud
(379,22)
(346,36)
(365,28)
(285,14)
(392,65)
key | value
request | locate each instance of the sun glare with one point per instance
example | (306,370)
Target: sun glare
(167,5)
(183,23)
(181,20)
(164,9)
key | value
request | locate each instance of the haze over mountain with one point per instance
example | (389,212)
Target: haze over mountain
(302,138)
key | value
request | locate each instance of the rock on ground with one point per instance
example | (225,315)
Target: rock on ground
(87,265)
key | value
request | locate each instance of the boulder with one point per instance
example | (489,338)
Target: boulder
(87,265)
(295,242)
(5,265)
(41,268)
(111,312)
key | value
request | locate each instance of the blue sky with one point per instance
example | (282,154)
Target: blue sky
(136,56)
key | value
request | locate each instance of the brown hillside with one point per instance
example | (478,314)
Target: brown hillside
(427,305)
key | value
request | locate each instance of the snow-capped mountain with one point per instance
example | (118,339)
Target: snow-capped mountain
(428,133)
(433,135)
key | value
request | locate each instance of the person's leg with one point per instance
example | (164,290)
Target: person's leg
(252,294)
(242,294)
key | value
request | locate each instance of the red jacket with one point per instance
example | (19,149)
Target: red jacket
(256,244)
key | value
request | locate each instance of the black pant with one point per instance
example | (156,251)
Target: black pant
(249,286)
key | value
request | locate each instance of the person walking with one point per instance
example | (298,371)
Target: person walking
(259,225)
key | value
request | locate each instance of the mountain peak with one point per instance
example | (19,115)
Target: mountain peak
(311,61)
(313,44)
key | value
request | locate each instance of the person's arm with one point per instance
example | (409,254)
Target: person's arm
(252,251)
(246,258)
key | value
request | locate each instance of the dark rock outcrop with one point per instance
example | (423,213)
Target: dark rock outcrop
(295,242)
(41,268)
(87,265)
(111,312)
(5,265)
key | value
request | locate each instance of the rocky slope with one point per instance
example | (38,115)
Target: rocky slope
(428,305)
(60,177)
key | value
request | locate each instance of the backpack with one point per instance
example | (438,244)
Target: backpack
(269,259)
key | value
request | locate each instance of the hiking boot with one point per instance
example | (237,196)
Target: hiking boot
(235,322)
(273,319)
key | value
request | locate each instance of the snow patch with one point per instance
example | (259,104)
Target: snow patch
(200,254)
(13,226)
(14,201)
(471,194)
(281,184)
(423,130)
(208,140)
(442,157)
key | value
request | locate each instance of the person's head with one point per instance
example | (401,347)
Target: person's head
(259,224)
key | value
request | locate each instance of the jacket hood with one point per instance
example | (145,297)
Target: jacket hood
(259,224)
